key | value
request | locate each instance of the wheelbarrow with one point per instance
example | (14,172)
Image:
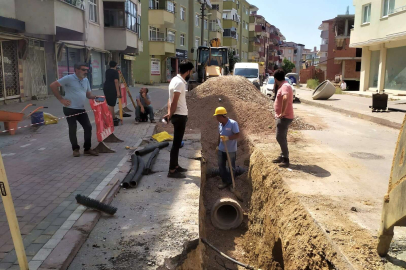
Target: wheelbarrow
(11,119)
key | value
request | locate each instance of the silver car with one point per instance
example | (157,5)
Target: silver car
(267,88)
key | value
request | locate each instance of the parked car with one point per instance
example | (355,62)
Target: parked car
(267,88)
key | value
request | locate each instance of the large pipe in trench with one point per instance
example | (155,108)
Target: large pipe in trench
(226,214)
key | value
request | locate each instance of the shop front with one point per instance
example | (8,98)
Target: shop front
(126,61)
(172,64)
(9,75)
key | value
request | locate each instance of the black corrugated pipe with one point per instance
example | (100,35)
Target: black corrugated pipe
(151,148)
(138,174)
(150,162)
(126,182)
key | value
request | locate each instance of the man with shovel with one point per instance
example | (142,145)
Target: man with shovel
(229,132)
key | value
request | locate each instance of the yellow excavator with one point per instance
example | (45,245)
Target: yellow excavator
(211,62)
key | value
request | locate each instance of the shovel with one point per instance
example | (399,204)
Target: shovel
(233,190)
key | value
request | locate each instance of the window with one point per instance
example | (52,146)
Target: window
(171,36)
(197,20)
(93,11)
(366,16)
(289,58)
(155,35)
(113,15)
(205,43)
(246,11)
(170,6)
(395,75)
(212,25)
(388,7)
(205,24)
(182,39)
(197,42)
(238,4)
(182,13)
(131,15)
(153,4)
(358,66)
(139,26)
(215,7)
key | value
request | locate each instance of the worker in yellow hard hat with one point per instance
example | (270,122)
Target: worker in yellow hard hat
(229,132)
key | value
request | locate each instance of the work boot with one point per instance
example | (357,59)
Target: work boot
(278,160)
(176,174)
(76,153)
(180,169)
(153,121)
(284,163)
(91,152)
(223,185)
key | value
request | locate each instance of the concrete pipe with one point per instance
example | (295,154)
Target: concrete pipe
(324,91)
(226,214)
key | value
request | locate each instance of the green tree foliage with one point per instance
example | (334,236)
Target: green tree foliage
(287,66)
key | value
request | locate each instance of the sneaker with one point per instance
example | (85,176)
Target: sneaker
(284,163)
(176,174)
(278,160)
(153,121)
(91,152)
(76,153)
(224,185)
(180,169)
(137,121)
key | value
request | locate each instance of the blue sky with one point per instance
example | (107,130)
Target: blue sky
(299,20)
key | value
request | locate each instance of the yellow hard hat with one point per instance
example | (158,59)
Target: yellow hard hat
(220,111)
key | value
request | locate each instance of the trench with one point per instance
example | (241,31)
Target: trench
(277,232)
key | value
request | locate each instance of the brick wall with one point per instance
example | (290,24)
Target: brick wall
(349,70)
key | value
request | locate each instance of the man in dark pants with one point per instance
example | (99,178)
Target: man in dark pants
(144,106)
(284,115)
(177,113)
(77,89)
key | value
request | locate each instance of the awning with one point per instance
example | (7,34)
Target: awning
(5,37)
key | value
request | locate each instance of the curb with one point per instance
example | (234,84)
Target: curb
(64,253)
(373,119)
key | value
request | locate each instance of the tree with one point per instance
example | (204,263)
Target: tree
(232,59)
(287,66)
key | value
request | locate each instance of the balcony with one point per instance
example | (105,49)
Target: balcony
(63,19)
(324,34)
(229,5)
(324,47)
(161,17)
(159,44)
(227,24)
(215,34)
(229,41)
(120,39)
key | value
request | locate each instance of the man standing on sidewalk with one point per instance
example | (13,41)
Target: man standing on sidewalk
(284,116)
(177,113)
(144,106)
(228,128)
(77,89)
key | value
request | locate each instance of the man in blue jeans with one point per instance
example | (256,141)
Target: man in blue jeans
(229,130)
(144,106)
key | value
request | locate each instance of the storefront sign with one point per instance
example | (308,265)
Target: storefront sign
(155,67)
(181,54)
(129,57)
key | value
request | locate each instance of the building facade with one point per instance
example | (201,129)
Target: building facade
(36,50)
(338,59)
(380,31)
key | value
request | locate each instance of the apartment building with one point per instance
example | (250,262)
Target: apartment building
(41,40)
(380,31)
(294,53)
(337,58)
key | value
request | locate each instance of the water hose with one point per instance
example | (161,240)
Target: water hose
(246,266)
(151,148)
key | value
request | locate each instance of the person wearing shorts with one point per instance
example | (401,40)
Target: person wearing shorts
(111,87)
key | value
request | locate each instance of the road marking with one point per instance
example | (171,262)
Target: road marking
(42,149)
(25,145)
(8,154)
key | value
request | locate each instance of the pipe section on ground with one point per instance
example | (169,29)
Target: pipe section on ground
(126,182)
(151,148)
(150,162)
(324,91)
(141,166)
(226,214)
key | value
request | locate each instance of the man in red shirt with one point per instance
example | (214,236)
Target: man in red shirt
(284,115)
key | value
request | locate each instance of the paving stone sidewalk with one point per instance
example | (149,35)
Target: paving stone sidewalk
(44,179)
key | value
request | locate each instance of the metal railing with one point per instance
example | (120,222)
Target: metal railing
(397,10)
(162,38)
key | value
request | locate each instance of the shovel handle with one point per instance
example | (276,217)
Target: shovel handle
(229,161)
(26,107)
(39,108)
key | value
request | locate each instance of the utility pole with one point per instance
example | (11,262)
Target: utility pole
(202,26)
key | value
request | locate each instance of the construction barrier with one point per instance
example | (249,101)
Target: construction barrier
(123,90)
(104,126)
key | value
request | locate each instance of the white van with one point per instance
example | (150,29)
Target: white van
(249,71)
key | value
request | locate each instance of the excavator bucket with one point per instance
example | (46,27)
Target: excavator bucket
(394,209)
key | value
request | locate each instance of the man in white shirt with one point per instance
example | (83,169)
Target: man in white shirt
(177,113)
